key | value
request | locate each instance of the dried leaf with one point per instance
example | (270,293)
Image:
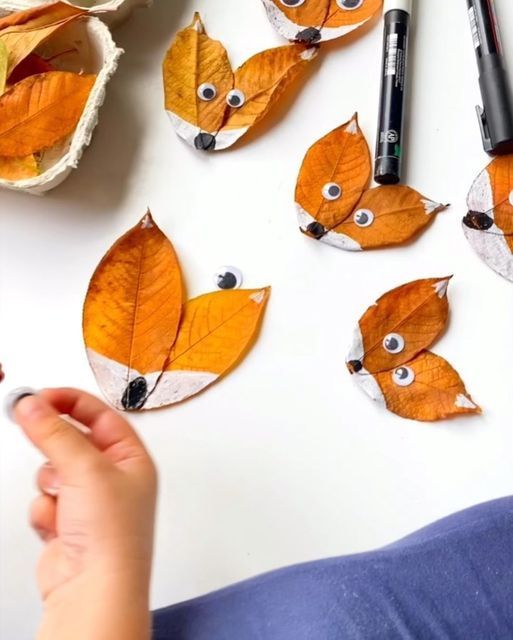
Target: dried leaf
(18,168)
(209,105)
(389,360)
(41,110)
(144,347)
(437,391)
(32,65)
(23,31)
(334,207)
(3,66)
(488,224)
(319,20)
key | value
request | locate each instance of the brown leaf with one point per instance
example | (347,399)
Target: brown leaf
(41,110)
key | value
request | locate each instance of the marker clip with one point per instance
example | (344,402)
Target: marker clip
(485,131)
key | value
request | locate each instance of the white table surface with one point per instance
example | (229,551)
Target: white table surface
(285,460)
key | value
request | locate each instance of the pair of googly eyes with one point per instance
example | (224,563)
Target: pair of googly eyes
(347,5)
(228,278)
(362,217)
(235,98)
(394,343)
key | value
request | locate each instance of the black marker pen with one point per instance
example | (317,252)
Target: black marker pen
(496,115)
(389,145)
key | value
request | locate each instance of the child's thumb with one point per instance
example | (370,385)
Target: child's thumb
(66,448)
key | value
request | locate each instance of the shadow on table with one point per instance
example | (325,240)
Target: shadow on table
(105,170)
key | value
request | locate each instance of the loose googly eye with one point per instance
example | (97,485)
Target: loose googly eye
(207,92)
(228,278)
(236,98)
(292,3)
(403,376)
(363,217)
(350,5)
(331,191)
(393,343)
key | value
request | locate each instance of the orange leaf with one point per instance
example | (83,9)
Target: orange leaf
(433,390)
(385,216)
(147,352)
(334,173)
(41,110)
(210,106)
(320,20)
(388,357)
(412,315)
(18,168)
(23,31)
(488,224)
(132,310)
(334,207)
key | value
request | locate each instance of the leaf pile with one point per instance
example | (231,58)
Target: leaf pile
(39,105)
(336,206)
(149,348)
(389,357)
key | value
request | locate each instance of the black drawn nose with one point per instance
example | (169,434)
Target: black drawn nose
(354,366)
(316,230)
(135,395)
(309,36)
(205,142)
(477,221)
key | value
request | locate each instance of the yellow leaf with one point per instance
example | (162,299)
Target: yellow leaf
(18,168)
(41,110)
(3,66)
(23,31)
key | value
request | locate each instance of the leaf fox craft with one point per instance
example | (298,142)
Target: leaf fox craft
(210,105)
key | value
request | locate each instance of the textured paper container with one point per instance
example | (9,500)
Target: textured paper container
(113,12)
(97,53)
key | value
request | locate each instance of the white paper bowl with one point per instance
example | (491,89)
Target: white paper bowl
(97,53)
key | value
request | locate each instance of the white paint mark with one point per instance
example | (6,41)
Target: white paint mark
(176,386)
(464,403)
(309,54)
(368,383)
(227,137)
(430,206)
(333,238)
(441,287)
(258,297)
(198,24)
(147,222)
(356,350)
(352,127)
(492,248)
(480,197)
(188,132)
(511,198)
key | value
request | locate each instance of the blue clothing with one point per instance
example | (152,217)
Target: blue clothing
(452,580)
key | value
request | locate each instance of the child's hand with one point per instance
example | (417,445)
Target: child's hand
(95,515)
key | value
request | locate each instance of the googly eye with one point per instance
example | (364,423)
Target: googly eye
(393,343)
(292,3)
(331,191)
(403,376)
(350,5)
(236,98)
(363,217)
(228,278)
(207,92)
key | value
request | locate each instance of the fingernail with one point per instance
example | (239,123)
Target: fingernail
(51,491)
(14,397)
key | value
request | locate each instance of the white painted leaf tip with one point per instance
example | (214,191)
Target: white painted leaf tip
(463,402)
(352,127)
(147,221)
(441,287)
(197,23)
(430,206)
(259,296)
(309,54)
